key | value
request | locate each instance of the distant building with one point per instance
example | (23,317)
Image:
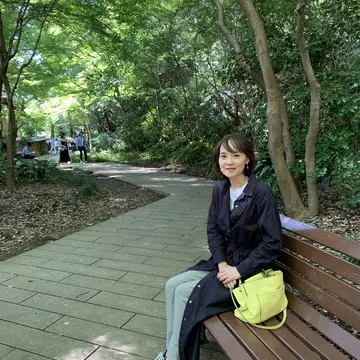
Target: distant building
(39,145)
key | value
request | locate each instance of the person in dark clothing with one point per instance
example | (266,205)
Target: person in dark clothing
(244,238)
(64,149)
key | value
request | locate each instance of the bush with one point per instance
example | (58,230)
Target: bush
(34,171)
(81,182)
(346,175)
(101,142)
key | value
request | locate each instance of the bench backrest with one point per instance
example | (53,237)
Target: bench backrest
(322,269)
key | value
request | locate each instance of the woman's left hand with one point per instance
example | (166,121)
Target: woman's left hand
(229,274)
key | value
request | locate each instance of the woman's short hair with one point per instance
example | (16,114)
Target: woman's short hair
(236,143)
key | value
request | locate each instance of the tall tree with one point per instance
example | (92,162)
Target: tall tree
(30,17)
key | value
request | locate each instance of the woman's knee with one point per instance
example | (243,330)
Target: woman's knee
(183,291)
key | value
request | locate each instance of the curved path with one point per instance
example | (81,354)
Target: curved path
(98,294)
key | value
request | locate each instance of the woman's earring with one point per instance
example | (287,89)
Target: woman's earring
(246,167)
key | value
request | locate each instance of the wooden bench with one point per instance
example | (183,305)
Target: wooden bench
(324,301)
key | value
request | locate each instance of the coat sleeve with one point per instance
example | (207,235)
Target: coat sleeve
(265,254)
(215,236)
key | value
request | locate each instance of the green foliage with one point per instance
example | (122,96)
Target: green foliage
(34,171)
(346,175)
(83,185)
(101,142)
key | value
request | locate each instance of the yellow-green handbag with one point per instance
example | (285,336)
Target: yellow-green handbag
(260,298)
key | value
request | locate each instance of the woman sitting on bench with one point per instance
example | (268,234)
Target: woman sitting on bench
(244,237)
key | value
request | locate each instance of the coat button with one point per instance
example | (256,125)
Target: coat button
(199,285)
(190,301)
(236,205)
(184,319)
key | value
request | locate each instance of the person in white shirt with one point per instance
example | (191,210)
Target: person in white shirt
(52,143)
(80,145)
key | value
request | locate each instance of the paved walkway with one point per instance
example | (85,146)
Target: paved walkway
(98,294)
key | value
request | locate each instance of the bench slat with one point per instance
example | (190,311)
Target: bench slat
(272,343)
(292,342)
(320,277)
(312,339)
(229,344)
(326,259)
(336,242)
(323,298)
(244,336)
(332,331)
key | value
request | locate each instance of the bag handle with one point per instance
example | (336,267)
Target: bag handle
(270,327)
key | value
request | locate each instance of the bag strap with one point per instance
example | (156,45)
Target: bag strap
(270,327)
(273,327)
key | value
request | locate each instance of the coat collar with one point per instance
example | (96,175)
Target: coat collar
(249,188)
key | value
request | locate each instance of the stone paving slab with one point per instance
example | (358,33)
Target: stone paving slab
(16,296)
(23,355)
(93,270)
(145,279)
(24,259)
(108,354)
(78,309)
(142,242)
(87,245)
(5,277)
(128,303)
(32,271)
(26,316)
(160,296)
(117,287)
(82,237)
(118,339)
(51,255)
(98,294)
(120,256)
(51,288)
(43,343)
(55,247)
(140,268)
(146,325)
(4,350)
(159,254)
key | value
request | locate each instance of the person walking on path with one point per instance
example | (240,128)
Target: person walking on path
(52,145)
(81,146)
(64,157)
(244,238)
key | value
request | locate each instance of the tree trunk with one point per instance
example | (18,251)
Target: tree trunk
(310,145)
(259,80)
(11,145)
(292,200)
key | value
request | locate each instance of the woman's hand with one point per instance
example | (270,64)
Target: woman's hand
(228,276)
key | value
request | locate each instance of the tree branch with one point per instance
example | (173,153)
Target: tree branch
(28,62)
(239,55)
(18,30)
(310,144)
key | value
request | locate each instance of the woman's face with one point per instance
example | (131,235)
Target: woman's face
(232,164)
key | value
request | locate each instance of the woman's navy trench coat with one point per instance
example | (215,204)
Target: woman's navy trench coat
(248,237)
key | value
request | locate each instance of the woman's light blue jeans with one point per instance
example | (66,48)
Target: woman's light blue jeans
(178,290)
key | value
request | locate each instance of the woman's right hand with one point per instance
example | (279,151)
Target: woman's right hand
(231,284)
